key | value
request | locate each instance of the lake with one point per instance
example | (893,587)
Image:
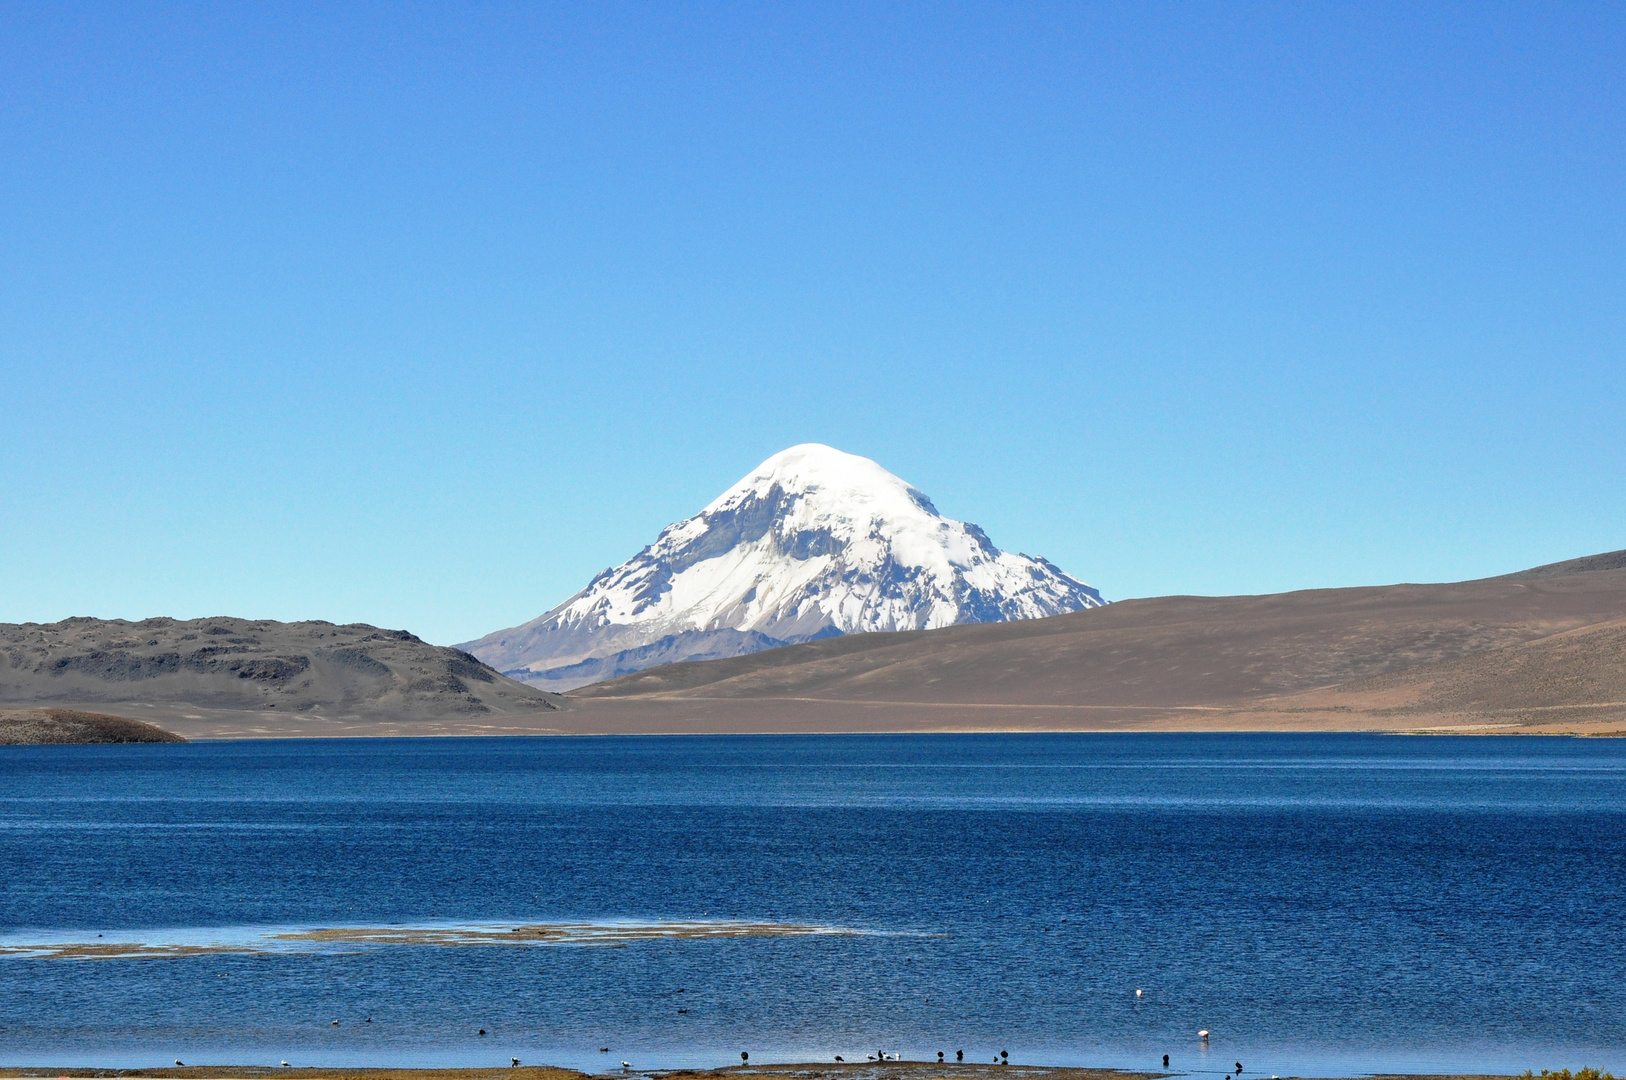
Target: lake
(1321,904)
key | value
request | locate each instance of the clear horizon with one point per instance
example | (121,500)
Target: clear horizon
(421,316)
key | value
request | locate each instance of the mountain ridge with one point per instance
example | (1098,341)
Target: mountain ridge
(1520,654)
(324,674)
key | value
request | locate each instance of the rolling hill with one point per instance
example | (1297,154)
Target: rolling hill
(236,677)
(1543,650)
(1538,649)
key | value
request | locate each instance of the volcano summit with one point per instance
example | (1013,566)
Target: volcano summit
(813,543)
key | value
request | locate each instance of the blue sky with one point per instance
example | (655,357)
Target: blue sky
(421,315)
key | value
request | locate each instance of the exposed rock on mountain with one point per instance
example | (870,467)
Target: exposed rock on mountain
(814,543)
(354,671)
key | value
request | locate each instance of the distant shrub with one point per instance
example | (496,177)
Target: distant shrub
(1586,1073)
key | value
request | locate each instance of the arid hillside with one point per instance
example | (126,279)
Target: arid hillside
(1542,650)
(222,677)
(1538,648)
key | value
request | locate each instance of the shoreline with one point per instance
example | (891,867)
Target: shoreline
(329,729)
(1475,731)
(804,716)
(853,1070)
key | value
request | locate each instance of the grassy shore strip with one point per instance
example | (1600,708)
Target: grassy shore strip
(251,1072)
(818,1071)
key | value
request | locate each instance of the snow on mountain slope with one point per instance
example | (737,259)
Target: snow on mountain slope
(814,542)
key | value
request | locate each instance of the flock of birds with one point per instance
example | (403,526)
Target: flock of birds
(1004,1057)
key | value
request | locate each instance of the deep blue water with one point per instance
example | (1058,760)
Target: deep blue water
(1323,904)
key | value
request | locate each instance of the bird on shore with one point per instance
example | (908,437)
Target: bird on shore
(515,1061)
(1203,1034)
(1239,1068)
(959,1055)
(284,1063)
(626,1064)
(1165,1061)
(840,1058)
(178,1061)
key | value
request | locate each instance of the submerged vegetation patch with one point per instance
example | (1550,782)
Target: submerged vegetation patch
(292,941)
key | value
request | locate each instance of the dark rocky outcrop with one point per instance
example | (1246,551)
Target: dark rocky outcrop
(40,727)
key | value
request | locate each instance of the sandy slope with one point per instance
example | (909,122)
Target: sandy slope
(1545,650)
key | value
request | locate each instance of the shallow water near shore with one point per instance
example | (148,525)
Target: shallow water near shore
(1322,904)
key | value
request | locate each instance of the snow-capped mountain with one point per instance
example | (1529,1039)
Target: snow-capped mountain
(813,543)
